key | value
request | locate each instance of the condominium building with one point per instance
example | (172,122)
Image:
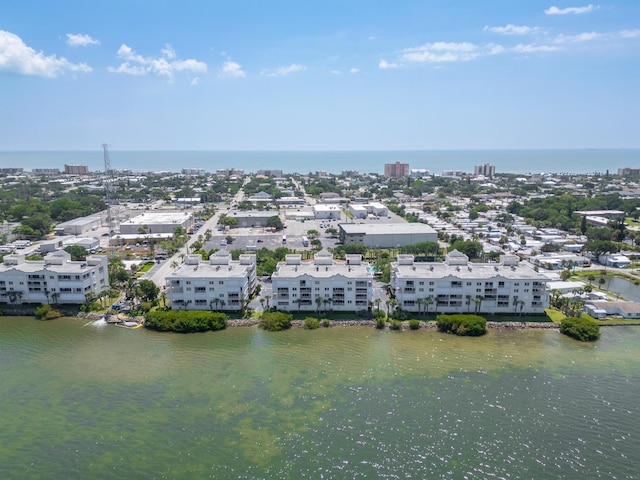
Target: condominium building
(56,279)
(219,283)
(396,169)
(486,169)
(459,286)
(323,283)
(76,169)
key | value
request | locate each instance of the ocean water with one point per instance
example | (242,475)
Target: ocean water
(511,161)
(83,401)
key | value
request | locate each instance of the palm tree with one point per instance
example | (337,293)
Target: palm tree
(222,304)
(478,301)
(327,301)
(262,303)
(378,301)
(318,302)
(469,298)
(521,303)
(216,301)
(54,297)
(267,298)
(427,302)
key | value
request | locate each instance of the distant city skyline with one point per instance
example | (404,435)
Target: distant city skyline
(340,75)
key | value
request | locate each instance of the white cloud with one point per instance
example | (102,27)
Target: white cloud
(195,81)
(168,51)
(630,33)
(581,37)
(354,70)
(533,48)
(336,72)
(441,52)
(164,66)
(283,71)
(571,10)
(232,69)
(17,57)
(383,65)
(81,40)
(511,29)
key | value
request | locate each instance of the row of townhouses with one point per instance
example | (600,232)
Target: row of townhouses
(220,283)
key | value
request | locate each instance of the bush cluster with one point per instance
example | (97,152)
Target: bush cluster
(311,323)
(583,329)
(414,324)
(275,321)
(47,312)
(185,321)
(462,324)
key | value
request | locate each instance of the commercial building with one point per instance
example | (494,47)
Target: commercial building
(78,226)
(322,211)
(386,235)
(45,171)
(149,223)
(362,210)
(322,284)
(252,218)
(486,169)
(270,173)
(56,279)
(396,169)
(76,169)
(219,283)
(459,286)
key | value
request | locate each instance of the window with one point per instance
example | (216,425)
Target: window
(420,283)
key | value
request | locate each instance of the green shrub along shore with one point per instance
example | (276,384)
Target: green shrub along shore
(185,321)
(188,321)
(583,329)
(462,325)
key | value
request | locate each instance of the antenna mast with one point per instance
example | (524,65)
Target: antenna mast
(108,195)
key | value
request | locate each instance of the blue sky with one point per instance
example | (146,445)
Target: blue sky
(311,75)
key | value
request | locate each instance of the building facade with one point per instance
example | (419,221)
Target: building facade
(486,169)
(459,286)
(76,169)
(149,223)
(217,284)
(396,170)
(386,235)
(54,280)
(322,284)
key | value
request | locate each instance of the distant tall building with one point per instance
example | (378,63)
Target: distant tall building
(396,169)
(270,173)
(10,171)
(193,171)
(486,169)
(45,171)
(628,172)
(76,169)
(350,173)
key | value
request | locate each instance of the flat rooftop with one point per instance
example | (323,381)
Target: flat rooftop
(379,228)
(158,219)
(311,269)
(472,271)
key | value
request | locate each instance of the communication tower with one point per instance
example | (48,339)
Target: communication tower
(109,195)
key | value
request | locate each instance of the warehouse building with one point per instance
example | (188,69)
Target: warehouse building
(386,235)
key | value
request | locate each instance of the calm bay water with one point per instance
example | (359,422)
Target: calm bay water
(84,402)
(511,161)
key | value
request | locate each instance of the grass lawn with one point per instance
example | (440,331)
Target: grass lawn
(146,267)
